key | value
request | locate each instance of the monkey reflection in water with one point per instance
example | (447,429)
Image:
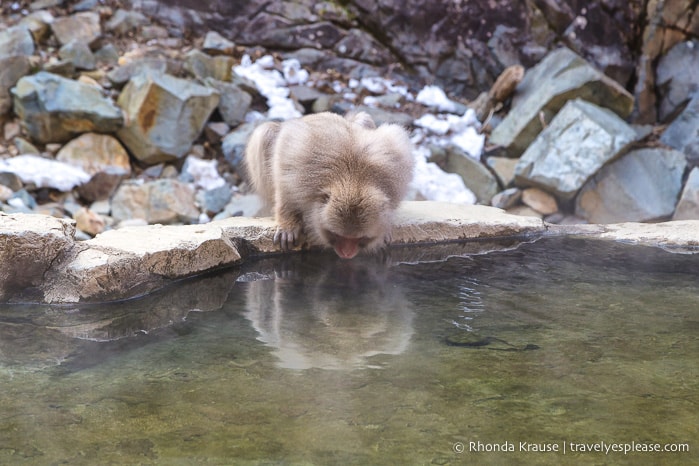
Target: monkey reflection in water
(324,312)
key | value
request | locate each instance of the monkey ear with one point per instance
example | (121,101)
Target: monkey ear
(362,119)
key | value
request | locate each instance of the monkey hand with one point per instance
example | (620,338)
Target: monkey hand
(287,239)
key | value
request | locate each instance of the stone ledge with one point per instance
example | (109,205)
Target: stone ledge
(46,264)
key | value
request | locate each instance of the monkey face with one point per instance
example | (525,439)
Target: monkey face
(350,222)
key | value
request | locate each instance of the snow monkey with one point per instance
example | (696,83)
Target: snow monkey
(337,181)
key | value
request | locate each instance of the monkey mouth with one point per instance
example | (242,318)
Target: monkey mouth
(346,247)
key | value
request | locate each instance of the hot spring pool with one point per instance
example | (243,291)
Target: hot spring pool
(582,349)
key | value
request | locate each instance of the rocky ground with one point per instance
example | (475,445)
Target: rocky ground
(119,116)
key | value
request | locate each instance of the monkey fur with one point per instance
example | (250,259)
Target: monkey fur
(337,181)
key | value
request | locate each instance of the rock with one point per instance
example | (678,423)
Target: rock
(10,180)
(5,193)
(524,211)
(203,66)
(31,243)
(362,46)
(676,77)
(504,168)
(124,21)
(165,116)
(16,45)
(688,205)
(160,201)
(539,200)
(44,173)
(216,130)
(39,24)
(683,133)
(55,109)
(476,176)
(233,145)
(507,199)
(79,54)
(641,186)
(133,261)
(16,41)
(247,205)
(103,158)
(107,56)
(234,103)
(216,44)
(578,142)
(545,89)
(89,222)
(25,147)
(84,27)
(381,116)
(214,200)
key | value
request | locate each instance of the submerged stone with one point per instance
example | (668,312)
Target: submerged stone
(577,143)
(165,116)
(641,186)
(54,109)
(545,89)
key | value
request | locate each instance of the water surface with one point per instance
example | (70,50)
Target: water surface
(562,344)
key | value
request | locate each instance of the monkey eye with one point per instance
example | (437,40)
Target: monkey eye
(324,198)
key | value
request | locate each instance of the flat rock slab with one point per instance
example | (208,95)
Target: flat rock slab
(48,265)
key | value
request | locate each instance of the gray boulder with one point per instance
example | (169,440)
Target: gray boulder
(79,54)
(641,186)
(203,66)
(16,41)
(84,27)
(688,205)
(123,21)
(578,142)
(16,45)
(160,201)
(683,133)
(165,116)
(676,77)
(233,145)
(476,176)
(216,44)
(545,89)
(54,109)
(234,102)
